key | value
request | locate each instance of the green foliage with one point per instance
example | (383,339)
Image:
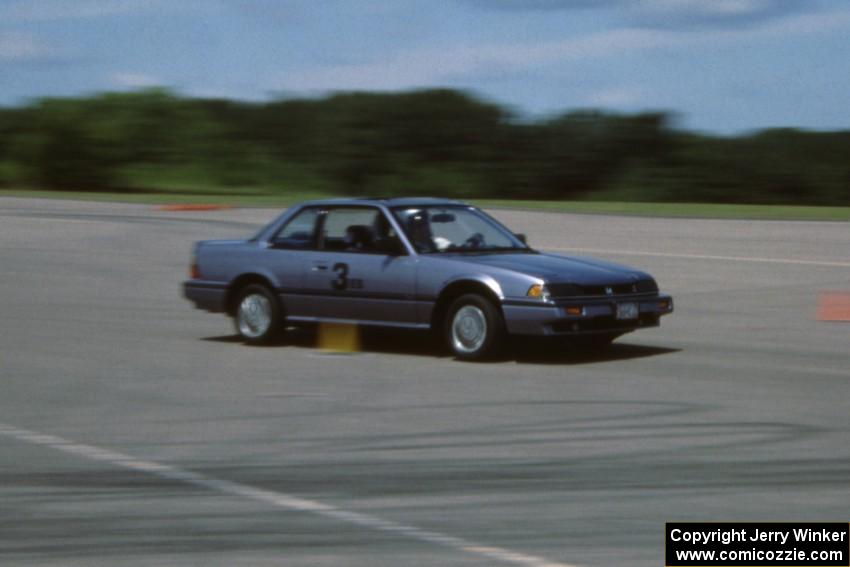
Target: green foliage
(9,176)
(435,142)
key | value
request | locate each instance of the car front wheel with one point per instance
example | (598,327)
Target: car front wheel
(257,314)
(474,328)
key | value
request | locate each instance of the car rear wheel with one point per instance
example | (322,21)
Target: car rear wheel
(474,328)
(257,315)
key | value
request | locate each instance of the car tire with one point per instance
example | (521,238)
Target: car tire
(474,328)
(257,314)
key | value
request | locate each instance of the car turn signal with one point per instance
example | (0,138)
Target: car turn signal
(538,291)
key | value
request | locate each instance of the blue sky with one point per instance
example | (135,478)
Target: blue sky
(721,65)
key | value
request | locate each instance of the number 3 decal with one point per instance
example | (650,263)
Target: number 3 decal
(341,282)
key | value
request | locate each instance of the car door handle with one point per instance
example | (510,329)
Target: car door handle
(320,267)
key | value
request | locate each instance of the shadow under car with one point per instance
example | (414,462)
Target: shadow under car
(521,350)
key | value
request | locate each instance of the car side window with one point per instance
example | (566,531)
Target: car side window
(298,232)
(359,229)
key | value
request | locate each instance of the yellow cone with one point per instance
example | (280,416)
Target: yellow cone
(339,338)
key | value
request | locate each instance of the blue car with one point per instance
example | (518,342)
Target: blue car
(420,263)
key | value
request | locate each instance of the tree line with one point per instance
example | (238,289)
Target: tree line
(430,142)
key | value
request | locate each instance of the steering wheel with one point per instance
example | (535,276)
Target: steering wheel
(474,241)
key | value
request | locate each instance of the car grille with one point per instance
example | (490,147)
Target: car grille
(574,290)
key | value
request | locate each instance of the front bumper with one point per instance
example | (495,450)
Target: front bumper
(206,295)
(597,316)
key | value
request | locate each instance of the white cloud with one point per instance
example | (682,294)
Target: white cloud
(425,67)
(432,66)
(36,10)
(730,7)
(618,97)
(685,14)
(23,47)
(134,80)
(670,14)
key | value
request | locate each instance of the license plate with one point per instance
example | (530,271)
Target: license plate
(627,311)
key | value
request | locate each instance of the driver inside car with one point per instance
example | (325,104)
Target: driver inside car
(419,231)
(358,238)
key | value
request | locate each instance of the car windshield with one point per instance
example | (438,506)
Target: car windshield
(446,229)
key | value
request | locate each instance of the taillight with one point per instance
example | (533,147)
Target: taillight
(194,272)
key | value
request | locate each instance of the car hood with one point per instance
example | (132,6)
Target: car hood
(557,268)
(220,242)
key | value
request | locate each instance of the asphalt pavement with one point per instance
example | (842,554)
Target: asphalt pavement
(135,430)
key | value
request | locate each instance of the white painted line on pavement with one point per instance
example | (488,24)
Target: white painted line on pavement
(271,497)
(705,257)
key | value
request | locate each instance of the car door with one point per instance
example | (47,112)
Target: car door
(286,258)
(360,271)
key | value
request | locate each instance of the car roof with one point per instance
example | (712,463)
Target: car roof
(388,202)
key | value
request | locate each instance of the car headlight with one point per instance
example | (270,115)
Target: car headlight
(539,291)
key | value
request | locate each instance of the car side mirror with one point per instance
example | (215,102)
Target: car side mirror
(522,238)
(278,244)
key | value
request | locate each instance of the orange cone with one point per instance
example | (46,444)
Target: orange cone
(834,306)
(339,338)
